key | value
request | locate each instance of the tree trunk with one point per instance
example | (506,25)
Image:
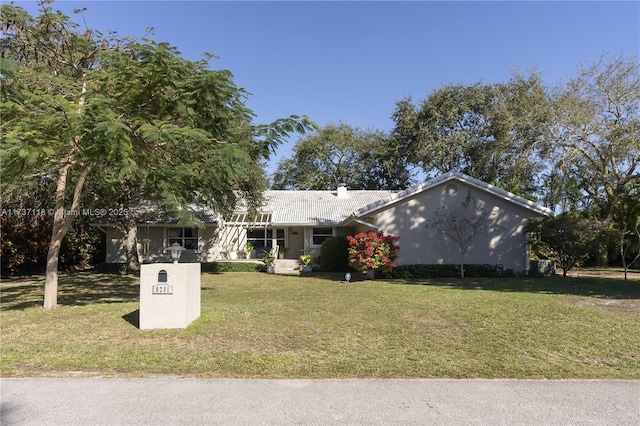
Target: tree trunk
(61,223)
(622,253)
(131,247)
(129,230)
(51,283)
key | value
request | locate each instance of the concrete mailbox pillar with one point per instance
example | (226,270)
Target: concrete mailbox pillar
(169,295)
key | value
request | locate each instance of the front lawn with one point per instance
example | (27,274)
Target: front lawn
(267,326)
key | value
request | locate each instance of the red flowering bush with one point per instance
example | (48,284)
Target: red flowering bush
(373,251)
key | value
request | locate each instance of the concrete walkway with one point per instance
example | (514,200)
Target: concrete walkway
(178,401)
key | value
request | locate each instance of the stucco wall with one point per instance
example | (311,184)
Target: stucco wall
(505,242)
(152,243)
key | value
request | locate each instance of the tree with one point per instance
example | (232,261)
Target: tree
(575,147)
(568,238)
(492,132)
(77,104)
(42,102)
(462,223)
(596,136)
(361,159)
(627,229)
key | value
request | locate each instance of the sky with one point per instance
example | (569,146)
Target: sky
(351,61)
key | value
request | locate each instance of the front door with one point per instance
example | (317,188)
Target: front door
(295,242)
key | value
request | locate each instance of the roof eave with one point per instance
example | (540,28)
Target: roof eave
(494,190)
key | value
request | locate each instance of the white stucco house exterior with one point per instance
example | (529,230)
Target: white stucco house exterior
(301,220)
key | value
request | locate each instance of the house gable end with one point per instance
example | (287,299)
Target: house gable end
(412,192)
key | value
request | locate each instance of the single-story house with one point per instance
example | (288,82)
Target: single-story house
(299,221)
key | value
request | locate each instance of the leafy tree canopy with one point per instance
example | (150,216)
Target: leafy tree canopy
(361,159)
(569,238)
(595,137)
(492,132)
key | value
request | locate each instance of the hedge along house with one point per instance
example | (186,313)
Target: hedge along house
(299,221)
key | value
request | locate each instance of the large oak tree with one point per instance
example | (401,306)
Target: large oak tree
(493,132)
(340,153)
(595,137)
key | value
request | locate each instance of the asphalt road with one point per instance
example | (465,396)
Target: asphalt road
(179,401)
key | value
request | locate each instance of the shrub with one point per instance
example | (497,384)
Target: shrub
(212,267)
(269,258)
(568,238)
(111,268)
(24,243)
(373,251)
(334,254)
(232,267)
(448,271)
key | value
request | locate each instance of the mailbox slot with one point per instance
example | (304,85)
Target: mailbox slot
(162,287)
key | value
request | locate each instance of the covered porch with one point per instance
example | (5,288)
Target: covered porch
(247,237)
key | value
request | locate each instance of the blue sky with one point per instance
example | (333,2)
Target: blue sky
(351,61)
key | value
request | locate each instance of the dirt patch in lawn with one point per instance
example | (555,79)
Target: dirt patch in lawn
(618,305)
(633,274)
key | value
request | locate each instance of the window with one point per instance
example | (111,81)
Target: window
(263,237)
(186,237)
(280,238)
(258,238)
(320,234)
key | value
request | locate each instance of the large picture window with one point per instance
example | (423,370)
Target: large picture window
(186,237)
(263,237)
(258,238)
(321,234)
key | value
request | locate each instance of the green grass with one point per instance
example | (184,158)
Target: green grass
(267,326)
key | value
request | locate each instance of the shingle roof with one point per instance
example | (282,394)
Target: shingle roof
(308,208)
(317,207)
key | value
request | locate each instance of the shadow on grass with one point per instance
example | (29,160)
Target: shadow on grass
(84,288)
(133,318)
(75,289)
(610,288)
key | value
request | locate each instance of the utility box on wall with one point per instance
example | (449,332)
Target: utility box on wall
(169,295)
